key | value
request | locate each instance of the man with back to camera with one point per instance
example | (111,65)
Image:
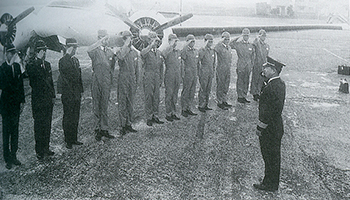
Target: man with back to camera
(270,127)
(205,72)
(261,53)
(245,62)
(11,105)
(43,98)
(127,82)
(152,79)
(189,55)
(223,70)
(103,63)
(172,77)
(72,88)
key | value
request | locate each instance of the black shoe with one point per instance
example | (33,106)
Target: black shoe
(98,135)
(191,113)
(184,113)
(77,143)
(69,146)
(156,120)
(169,118)
(256,97)
(222,106)
(130,129)
(8,165)
(16,162)
(207,108)
(149,122)
(264,187)
(40,157)
(175,117)
(201,109)
(123,131)
(50,153)
(241,100)
(106,134)
(226,104)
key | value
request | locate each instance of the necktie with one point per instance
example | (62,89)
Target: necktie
(13,71)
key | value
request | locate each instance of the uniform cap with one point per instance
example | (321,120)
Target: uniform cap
(153,35)
(172,36)
(208,37)
(226,35)
(190,37)
(71,42)
(262,32)
(102,33)
(274,64)
(10,48)
(40,44)
(126,34)
(245,31)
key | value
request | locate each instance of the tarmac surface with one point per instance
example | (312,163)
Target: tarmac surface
(170,161)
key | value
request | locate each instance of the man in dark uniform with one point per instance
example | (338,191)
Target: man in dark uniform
(152,80)
(103,63)
(11,104)
(189,55)
(43,98)
(127,82)
(72,88)
(270,127)
(205,72)
(172,77)
(245,52)
(223,70)
(261,53)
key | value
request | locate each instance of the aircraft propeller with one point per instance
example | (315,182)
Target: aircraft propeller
(142,26)
(8,24)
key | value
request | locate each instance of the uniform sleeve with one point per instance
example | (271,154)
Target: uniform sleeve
(183,54)
(51,80)
(2,77)
(233,44)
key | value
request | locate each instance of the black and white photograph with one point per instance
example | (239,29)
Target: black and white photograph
(175,99)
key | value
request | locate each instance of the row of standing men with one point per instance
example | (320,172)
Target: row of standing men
(185,64)
(180,65)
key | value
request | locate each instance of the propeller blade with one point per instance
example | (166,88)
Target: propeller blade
(173,22)
(122,16)
(21,16)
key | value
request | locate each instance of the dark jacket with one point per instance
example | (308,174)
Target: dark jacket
(40,79)
(70,73)
(271,105)
(12,87)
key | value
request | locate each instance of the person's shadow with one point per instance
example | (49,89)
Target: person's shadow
(201,125)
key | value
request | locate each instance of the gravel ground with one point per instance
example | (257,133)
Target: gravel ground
(169,162)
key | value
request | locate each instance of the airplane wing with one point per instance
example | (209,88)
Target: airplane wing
(201,31)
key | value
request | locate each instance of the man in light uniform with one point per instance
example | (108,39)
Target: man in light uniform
(172,77)
(261,53)
(205,72)
(152,80)
(223,70)
(189,56)
(245,52)
(127,82)
(103,63)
